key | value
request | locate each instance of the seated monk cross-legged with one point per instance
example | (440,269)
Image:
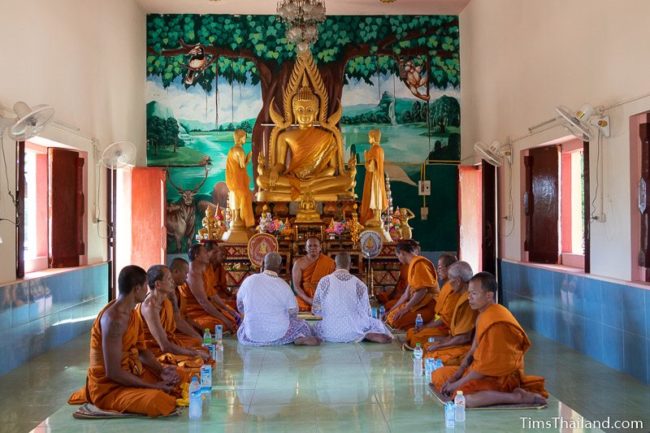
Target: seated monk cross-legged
(157,313)
(422,291)
(439,326)
(492,372)
(124,375)
(214,281)
(198,305)
(189,333)
(452,348)
(307,272)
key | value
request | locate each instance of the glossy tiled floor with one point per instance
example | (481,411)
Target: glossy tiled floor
(332,388)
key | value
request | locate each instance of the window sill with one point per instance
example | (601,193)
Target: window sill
(576,271)
(48,272)
(573,260)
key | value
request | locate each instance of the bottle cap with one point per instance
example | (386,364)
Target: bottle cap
(206,330)
(417,344)
(459,392)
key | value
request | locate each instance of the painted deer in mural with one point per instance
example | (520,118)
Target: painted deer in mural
(180,216)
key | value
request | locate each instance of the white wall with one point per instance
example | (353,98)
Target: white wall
(87,59)
(519,59)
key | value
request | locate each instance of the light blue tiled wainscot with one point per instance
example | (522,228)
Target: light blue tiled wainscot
(41,313)
(608,321)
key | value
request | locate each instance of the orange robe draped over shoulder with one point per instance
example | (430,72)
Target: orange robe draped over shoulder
(421,276)
(501,344)
(194,310)
(389,300)
(444,310)
(462,322)
(311,275)
(169,325)
(109,395)
(216,280)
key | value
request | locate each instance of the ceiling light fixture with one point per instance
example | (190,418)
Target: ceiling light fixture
(302,18)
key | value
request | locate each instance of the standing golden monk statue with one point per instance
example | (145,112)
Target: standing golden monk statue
(374,200)
(305,154)
(240,198)
(237,180)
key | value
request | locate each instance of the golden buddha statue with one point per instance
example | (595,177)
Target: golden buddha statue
(374,200)
(305,152)
(241,198)
(405,228)
(212,228)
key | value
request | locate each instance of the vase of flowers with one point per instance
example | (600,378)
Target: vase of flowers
(336,228)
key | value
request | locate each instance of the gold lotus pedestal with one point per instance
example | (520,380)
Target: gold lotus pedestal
(377,226)
(237,233)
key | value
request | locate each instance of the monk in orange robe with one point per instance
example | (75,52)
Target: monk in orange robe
(241,198)
(492,372)
(157,314)
(307,272)
(422,291)
(187,330)
(198,298)
(123,374)
(215,280)
(449,294)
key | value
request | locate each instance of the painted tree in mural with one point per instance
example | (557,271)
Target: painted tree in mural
(254,49)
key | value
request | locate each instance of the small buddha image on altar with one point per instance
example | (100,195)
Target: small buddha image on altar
(398,225)
(213,226)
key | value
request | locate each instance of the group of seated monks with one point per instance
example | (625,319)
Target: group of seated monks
(147,342)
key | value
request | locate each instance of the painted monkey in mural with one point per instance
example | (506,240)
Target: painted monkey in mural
(180,216)
(198,62)
(414,76)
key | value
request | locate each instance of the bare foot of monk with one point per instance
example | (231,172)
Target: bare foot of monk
(379,338)
(528,397)
(307,341)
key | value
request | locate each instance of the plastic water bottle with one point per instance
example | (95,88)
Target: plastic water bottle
(218,335)
(207,338)
(417,360)
(429,367)
(418,322)
(374,312)
(196,410)
(459,403)
(206,378)
(382,311)
(450,414)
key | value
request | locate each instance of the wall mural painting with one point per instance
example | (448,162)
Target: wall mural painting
(208,75)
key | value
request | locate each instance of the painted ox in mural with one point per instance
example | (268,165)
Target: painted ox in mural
(180,216)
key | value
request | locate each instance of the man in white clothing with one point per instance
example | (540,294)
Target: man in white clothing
(270,310)
(342,301)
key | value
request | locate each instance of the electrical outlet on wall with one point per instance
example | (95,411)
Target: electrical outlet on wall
(424,213)
(424,187)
